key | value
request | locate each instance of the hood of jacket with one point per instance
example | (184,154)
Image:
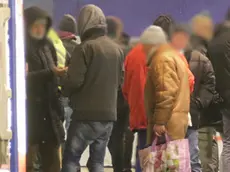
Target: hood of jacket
(90,17)
(34,13)
(68,24)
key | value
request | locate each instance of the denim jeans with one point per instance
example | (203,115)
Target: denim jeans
(226,141)
(82,134)
(142,138)
(68,112)
(192,136)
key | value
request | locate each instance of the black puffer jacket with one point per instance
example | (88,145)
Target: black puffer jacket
(44,111)
(219,54)
(204,88)
(200,44)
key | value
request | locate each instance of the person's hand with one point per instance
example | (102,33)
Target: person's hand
(27,68)
(59,71)
(159,129)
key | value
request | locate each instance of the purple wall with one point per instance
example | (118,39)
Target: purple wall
(138,14)
(44,4)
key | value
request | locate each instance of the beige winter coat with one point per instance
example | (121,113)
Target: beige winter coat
(167,93)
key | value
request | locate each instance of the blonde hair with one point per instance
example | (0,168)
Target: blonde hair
(202,25)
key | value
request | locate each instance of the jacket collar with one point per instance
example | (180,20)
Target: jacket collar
(93,34)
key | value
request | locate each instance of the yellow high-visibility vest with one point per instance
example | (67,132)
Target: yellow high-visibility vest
(58,45)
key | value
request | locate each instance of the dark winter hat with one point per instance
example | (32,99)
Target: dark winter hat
(68,24)
(166,22)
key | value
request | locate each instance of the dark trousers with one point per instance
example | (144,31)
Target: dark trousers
(116,142)
(208,150)
(225,166)
(142,139)
(82,134)
(48,155)
(129,138)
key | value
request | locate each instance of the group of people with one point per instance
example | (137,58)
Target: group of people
(99,88)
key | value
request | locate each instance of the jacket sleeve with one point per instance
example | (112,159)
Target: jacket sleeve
(208,83)
(41,75)
(166,85)
(76,72)
(138,75)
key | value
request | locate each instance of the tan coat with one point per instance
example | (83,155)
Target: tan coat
(167,93)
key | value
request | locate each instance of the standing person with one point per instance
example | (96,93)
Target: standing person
(116,141)
(219,52)
(133,90)
(44,112)
(129,135)
(203,92)
(167,87)
(202,32)
(179,39)
(92,83)
(67,33)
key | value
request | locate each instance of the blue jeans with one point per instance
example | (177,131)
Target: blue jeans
(226,141)
(68,112)
(82,134)
(142,138)
(192,136)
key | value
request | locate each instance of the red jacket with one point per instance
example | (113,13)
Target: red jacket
(133,88)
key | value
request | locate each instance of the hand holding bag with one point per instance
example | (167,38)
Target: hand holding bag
(173,156)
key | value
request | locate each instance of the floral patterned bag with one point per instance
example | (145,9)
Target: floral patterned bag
(173,156)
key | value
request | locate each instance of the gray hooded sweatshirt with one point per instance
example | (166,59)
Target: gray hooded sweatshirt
(95,70)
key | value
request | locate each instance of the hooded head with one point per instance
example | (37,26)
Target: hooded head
(90,17)
(166,22)
(37,23)
(151,38)
(68,24)
(114,27)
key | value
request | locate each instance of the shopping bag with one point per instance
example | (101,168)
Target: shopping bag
(173,156)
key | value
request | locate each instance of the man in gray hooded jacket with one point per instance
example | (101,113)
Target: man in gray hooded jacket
(92,83)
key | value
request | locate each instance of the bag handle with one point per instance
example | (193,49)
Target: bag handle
(167,139)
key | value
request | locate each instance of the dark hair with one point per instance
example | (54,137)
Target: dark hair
(125,38)
(166,22)
(114,24)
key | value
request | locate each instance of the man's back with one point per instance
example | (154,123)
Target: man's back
(219,54)
(97,97)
